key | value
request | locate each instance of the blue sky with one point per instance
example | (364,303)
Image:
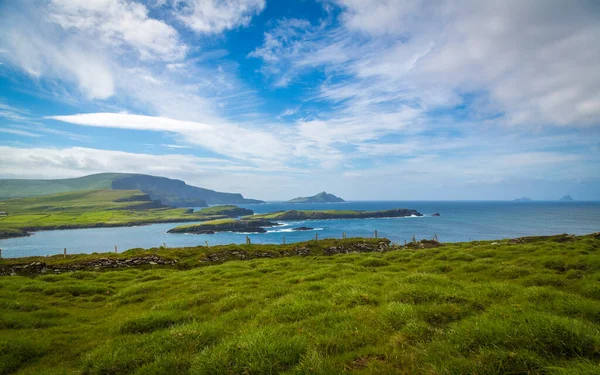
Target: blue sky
(386,99)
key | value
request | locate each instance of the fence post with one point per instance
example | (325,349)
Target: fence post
(65,252)
(316,236)
(375,233)
(116,250)
(344,235)
(206,242)
(284,240)
(0,253)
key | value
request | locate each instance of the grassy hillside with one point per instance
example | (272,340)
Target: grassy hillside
(169,191)
(33,188)
(85,209)
(526,306)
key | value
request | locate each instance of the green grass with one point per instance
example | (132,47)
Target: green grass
(465,308)
(13,188)
(84,209)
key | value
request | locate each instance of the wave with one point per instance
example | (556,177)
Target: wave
(289,230)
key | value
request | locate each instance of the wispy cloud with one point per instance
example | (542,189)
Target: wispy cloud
(19,132)
(532,60)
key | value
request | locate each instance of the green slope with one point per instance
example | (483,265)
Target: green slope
(169,191)
(530,306)
(96,208)
(32,188)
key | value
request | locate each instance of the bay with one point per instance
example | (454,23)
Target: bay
(458,221)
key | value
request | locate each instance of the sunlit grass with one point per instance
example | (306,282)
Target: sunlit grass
(466,308)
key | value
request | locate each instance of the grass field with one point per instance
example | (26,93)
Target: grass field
(85,209)
(529,306)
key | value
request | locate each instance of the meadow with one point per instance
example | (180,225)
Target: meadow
(94,208)
(508,306)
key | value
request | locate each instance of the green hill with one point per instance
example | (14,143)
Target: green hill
(322,197)
(170,192)
(97,208)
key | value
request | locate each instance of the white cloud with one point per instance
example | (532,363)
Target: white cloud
(535,62)
(84,42)
(120,24)
(226,139)
(215,16)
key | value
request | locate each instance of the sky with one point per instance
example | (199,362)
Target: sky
(369,100)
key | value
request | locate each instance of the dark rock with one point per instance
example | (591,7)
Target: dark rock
(435,214)
(303,228)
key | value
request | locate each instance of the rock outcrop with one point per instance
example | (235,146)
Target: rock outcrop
(210,227)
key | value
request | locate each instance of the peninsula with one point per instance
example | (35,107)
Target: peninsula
(333,214)
(98,208)
(322,197)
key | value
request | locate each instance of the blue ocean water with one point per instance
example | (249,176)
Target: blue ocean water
(459,221)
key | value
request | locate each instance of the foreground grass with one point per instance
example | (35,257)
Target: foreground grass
(478,308)
(97,208)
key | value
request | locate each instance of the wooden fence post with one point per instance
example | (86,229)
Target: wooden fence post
(375,233)
(206,242)
(344,235)
(164,244)
(116,250)
(284,240)
(65,252)
(316,236)
(0,253)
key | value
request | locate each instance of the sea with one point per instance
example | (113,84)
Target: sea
(459,221)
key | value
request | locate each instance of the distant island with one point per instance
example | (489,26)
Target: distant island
(523,199)
(322,197)
(170,192)
(566,198)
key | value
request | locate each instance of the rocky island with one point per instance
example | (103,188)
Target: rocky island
(522,199)
(333,214)
(225,225)
(566,198)
(322,197)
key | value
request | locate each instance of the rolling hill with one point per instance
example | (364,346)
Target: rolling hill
(170,192)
